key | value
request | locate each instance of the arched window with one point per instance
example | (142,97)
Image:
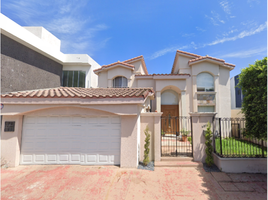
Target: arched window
(205,82)
(120,82)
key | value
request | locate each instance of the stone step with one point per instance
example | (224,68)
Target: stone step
(176,159)
(177,164)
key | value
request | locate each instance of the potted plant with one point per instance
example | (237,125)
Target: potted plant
(184,134)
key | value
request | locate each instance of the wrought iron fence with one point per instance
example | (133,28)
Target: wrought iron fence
(176,136)
(231,141)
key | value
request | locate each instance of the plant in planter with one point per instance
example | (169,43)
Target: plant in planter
(184,134)
(162,133)
(146,146)
(189,139)
(209,148)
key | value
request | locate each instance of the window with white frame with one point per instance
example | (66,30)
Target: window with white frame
(74,78)
(120,82)
(206,109)
(205,82)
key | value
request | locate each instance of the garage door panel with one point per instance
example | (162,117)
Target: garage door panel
(71,140)
(27,158)
(29,120)
(42,120)
(39,158)
(53,120)
(91,158)
(63,158)
(51,158)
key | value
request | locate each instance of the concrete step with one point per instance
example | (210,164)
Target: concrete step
(177,164)
(175,159)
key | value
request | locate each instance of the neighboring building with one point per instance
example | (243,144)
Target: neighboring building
(236,98)
(105,125)
(31,59)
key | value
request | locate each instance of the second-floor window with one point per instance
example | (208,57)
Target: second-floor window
(120,82)
(74,78)
(205,82)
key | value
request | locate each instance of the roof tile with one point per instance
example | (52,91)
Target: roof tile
(71,92)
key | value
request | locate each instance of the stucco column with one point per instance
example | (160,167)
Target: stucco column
(194,98)
(199,120)
(183,103)
(158,101)
(157,137)
(11,141)
(129,148)
(216,85)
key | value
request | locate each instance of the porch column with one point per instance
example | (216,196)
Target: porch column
(158,101)
(216,85)
(199,122)
(183,103)
(157,137)
(11,141)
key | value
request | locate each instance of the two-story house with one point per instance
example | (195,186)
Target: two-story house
(104,125)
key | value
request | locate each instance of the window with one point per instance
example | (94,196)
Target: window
(73,78)
(120,82)
(205,108)
(9,126)
(205,82)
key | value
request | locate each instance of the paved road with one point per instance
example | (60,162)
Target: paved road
(86,182)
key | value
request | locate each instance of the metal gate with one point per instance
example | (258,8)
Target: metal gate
(176,136)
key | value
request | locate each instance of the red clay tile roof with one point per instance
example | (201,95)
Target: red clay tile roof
(187,53)
(132,59)
(76,92)
(112,64)
(212,58)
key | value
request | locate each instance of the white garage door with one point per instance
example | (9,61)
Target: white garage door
(71,140)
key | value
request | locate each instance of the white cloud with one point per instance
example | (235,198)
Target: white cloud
(215,19)
(188,35)
(165,51)
(200,29)
(62,18)
(241,35)
(245,54)
(226,7)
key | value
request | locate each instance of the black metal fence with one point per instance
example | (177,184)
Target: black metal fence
(230,140)
(176,136)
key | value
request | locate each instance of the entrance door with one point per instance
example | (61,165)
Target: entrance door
(170,112)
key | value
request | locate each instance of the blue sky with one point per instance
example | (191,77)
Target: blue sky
(108,31)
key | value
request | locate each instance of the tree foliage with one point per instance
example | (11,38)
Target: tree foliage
(146,146)
(253,82)
(209,148)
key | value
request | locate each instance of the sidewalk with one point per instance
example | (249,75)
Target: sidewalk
(86,182)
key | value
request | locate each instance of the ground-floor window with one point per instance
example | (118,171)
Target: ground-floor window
(206,109)
(74,78)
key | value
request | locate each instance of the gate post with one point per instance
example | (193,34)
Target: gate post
(157,136)
(199,122)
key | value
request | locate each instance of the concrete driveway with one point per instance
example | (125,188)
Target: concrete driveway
(84,182)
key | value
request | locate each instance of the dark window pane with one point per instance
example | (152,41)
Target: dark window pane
(120,82)
(70,79)
(64,78)
(75,84)
(82,79)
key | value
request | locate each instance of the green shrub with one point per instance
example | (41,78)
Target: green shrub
(253,82)
(189,139)
(146,147)
(209,148)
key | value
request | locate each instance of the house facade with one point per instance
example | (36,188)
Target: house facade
(101,121)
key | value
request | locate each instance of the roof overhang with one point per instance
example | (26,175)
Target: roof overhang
(218,62)
(182,53)
(114,65)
